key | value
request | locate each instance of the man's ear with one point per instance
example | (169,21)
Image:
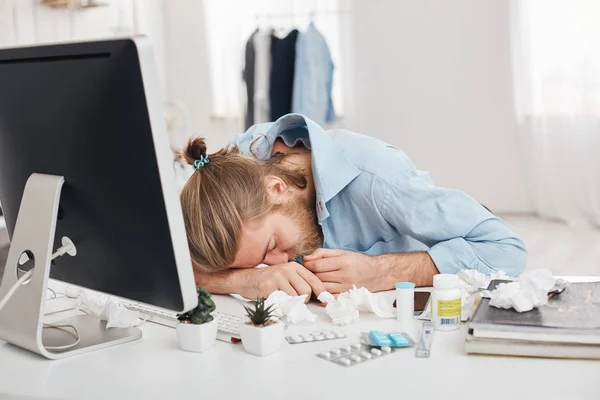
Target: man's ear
(276,189)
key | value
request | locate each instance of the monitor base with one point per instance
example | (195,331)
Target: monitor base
(22,318)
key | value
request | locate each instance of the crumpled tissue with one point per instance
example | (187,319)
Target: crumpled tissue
(529,292)
(115,314)
(291,308)
(346,307)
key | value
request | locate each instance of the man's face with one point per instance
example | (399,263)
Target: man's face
(289,231)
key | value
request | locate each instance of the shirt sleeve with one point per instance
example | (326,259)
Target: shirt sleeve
(460,232)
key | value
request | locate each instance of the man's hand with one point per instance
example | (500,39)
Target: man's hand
(292,278)
(339,270)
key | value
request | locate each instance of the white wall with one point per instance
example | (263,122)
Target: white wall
(433,77)
(24,22)
(188,81)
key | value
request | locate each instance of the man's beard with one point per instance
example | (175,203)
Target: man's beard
(304,215)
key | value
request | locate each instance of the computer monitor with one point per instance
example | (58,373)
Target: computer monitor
(91,113)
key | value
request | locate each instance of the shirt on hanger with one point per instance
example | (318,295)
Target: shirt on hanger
(313,77)
(262,71)
(281,85)
(248,76)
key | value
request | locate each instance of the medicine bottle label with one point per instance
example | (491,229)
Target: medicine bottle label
(449,311)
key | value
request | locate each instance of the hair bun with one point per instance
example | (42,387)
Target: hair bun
(194,150)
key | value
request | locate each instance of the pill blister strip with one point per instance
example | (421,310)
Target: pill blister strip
(366,339)
(316,337)
(354,354)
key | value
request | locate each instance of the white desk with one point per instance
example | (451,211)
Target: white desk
(154,367)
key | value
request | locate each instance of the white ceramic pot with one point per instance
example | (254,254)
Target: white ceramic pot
(196,338)
(262,341)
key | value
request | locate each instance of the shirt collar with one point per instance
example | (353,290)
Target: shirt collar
(332,171)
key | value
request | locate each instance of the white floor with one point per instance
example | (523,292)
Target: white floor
(562,249)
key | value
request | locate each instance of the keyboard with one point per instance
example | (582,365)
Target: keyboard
(228,324)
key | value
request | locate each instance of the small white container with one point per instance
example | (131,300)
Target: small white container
(445,302)
(405,305)
(262,340)
(197,338)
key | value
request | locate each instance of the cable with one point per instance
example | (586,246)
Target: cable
(75,333)
(14,288)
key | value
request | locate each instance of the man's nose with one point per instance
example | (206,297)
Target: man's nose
(276,258)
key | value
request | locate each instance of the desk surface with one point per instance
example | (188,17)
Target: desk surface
(154,367)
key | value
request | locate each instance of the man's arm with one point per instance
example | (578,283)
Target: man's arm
(417,267)
(340,269)
(460,233)
(292,278)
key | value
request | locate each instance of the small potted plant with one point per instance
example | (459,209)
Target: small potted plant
(263,334)
(197,329)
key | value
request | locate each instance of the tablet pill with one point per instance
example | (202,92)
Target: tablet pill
(336,352)
(319,337)
(295,339)
(357,345)
(386,349)
(326,355)
(366,355)
(340,335)
(307,338)
(376,352)
(347,349)
(345,361)
(329,336)
(356,358)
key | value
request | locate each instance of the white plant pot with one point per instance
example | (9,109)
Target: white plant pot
(197,338)
(262,341)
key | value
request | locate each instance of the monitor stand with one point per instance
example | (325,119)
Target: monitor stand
(22,318)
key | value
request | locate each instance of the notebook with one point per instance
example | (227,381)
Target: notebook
(572,316)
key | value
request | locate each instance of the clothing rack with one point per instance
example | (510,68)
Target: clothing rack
(303,14)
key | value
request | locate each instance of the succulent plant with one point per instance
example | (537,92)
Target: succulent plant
(259,314)
(200,314)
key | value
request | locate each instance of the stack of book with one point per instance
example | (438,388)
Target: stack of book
(568,327)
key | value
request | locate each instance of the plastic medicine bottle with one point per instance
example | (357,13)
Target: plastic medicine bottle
(445,302)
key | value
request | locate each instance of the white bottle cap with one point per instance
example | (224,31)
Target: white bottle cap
(445,281)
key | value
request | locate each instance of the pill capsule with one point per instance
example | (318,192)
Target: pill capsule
(386,349)
(307,338)
(319,337)
(345,361)
(357,345)
(356,358)
(366,355)
(336,352)
(340,335)
(329,336)
(295,339)
(376,352)
(326,355)
(347,349)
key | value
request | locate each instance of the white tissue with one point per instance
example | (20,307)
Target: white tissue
(291,308)
(346,307)
(529,292)
(115,314)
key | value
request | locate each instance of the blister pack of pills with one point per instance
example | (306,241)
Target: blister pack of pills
(354,354)
(380,339)
(316,337)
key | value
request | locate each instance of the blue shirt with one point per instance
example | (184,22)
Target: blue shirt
(370,198)
(313,77)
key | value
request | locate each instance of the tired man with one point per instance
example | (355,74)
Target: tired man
(328,210)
